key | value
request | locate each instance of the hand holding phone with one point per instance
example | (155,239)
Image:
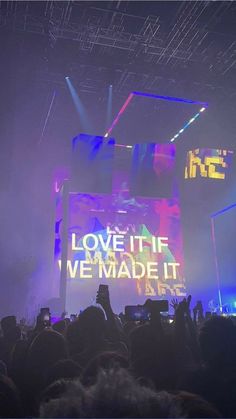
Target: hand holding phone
(137,313)
(159,306)
(103,297)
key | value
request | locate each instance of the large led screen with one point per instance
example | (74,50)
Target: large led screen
(133,244)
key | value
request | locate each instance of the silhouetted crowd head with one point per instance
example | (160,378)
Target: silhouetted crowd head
(103,365)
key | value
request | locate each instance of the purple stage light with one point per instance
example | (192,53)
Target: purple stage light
(204,105)
(169,98)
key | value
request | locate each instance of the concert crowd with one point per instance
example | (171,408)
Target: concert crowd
(100,365)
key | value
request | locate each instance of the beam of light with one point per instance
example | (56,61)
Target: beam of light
(84,120)
(121,111)
(160,97)
(109,107)
(216,260)
(47,117)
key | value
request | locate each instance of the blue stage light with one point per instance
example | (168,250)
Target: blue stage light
(82,113)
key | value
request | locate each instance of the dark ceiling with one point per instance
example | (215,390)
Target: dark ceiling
(123,40)
(177,48)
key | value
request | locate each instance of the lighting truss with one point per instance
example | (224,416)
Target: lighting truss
(203,106)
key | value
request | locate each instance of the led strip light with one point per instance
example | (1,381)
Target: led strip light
(204,105)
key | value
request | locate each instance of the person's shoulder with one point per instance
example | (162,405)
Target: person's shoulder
(118,347)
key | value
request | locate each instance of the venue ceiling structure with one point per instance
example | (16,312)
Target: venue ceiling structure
(182,49)
(148,41)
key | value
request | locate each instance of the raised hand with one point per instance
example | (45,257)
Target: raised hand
(183,308)
(174,303)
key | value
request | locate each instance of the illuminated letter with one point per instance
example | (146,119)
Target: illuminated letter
(88,236)
(131,243)
(118,240)
(140,242)
(160,244)
(72,270)
(154,244)
(83,269)
(109,230)
(174,271)
(180,290)
(211,162)
(152,270)
(163,288)
(123,271)
(149,290)
(111,257)
(73,244)
(195,162)
(105,246)
(108,273)
(93,260)
(134,272)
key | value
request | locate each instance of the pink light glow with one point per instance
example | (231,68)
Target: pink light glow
(119,114)
(56,187)
(123,145)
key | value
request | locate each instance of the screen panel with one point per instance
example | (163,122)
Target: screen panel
(152,173)
(132,243)
(92,163)
(208,163)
